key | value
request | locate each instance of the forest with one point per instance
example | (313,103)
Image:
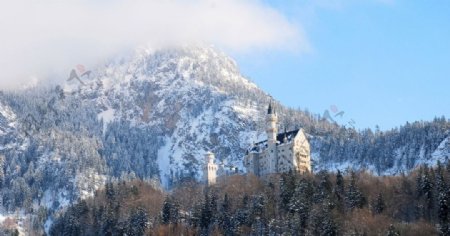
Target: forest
(323,203)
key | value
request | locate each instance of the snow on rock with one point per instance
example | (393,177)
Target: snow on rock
(442,152)
(190,94)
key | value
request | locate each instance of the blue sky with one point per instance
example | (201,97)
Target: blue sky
(381,62)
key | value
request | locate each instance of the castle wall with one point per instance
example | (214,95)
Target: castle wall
(285,160)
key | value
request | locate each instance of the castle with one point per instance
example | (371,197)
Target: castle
(281,152)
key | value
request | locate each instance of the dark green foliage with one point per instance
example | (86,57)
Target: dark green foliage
(442,201)
(287,187)
(71,224)
(300,205)
(392,231)
(378,204)
(323,190)
(322,222)
(225,214)
(425,192)
(310,211)
(137,223)
(353,197)
(170,211)
(206,213)
(340,186)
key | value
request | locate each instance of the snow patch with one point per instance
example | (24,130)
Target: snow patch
(164,162)
(107,116)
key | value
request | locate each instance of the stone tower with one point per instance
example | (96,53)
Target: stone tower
(272,131)
(210,169)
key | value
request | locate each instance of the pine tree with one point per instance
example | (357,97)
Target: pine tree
(243,214)
(166,211)
(258,206)
(300,206)
(258,227)
(287,188)
(339,191)
(426,189)
(170,211)
(322,222)
(353,197)
(109,221)
(109,189)
(443,208)
(205,217)
(213,208)
(323,190)
(138,222)
(225,222)
(378,204)
(392,231)
(419,192)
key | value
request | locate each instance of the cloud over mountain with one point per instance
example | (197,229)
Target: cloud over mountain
(49,37)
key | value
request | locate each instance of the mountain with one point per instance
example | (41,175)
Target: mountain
(154,113)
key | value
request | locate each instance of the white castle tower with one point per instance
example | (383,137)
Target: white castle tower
(272,131)
(210,169)
(281,152)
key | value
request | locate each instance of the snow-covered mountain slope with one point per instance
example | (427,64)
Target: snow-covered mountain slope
(193,98)
(154,113)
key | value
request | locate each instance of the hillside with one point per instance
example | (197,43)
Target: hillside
(153,114)
(288,204)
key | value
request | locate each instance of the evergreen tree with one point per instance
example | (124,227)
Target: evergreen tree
(243,214)
(419,191)
(170,211)
(322,222)
(300,206)
(353,197)
(426,189)
(443,208)
(258,206)
(258,227)
(206,214)
(109,222)
(137,223)
(378,204)
(323,190)
(110,193)
(287,188)
(167,211)
(392,231)
(225,221)
(213,207)
(339,189)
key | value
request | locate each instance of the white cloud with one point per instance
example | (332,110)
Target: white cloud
(48,37)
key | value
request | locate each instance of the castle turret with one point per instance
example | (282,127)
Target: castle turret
(210,169)
(271,124)
(272,130)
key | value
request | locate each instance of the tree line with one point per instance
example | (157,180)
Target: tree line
(341,203)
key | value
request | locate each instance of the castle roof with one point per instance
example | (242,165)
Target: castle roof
(290,135)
